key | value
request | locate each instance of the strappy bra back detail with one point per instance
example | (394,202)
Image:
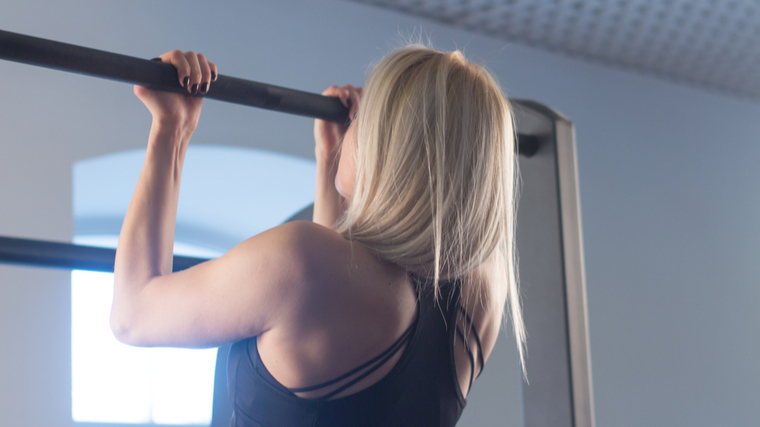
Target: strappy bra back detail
(371,366)
(420,389)
(368,368)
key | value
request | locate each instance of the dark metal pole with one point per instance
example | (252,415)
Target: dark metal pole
(41,253)
(97,63)
(155,75)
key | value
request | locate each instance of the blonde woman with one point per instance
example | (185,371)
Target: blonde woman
(382,310)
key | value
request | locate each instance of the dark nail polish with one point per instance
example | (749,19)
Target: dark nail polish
(348,102)
(204,87)
(156,59)
(194,89)
(186,82)
(213,76)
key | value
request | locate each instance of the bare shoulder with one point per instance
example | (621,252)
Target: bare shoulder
(314,250)
(297,246)
(321,251)
(309,239)
(339,275)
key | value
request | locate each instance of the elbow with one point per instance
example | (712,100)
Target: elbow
(124,328)
(126,313)
(120,327)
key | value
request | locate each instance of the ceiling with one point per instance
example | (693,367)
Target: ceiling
(714,44)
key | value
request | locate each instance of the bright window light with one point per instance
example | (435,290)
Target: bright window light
(228,195)
(115,383)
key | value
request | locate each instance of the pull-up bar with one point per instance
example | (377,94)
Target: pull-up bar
(155,75)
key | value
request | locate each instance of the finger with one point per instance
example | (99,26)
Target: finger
(331,91)
(195,72)
(352,101)
(355,98)
(341,93)
(346,91)
(177,59)
(214,71)
(338,92)
(205,73)
(345,95)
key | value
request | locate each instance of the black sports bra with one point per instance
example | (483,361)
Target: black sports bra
(420,390)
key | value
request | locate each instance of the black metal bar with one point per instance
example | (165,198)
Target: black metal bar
(41,253)
(98,63)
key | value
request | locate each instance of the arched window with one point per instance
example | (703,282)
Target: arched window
(115,383)
(228,194)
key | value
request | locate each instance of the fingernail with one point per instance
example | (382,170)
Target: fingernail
(186,82)
(213,76)
(348,102)
(204,87)
(156,59)
(194,89)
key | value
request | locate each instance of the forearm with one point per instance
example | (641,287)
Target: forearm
(147,235)
(328,203)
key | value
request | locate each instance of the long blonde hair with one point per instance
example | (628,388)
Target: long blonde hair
(436,172)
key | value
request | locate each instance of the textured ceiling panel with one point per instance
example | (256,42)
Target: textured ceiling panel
(710,43)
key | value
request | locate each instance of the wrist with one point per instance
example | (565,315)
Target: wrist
(327,164)
(171,128)
(326,155)
(327,168)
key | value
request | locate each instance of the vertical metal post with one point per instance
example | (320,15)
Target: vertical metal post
(549,242)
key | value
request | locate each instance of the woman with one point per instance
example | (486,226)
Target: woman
(384,308)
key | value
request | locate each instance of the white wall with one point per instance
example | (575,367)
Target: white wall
(668,183)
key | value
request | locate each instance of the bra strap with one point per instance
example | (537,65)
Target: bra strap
(367,373)
(377,361)
(469,353)
(477,338)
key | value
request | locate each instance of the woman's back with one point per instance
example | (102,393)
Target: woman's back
(421,369)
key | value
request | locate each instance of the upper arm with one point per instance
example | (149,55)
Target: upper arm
(239,295)
(485,301)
